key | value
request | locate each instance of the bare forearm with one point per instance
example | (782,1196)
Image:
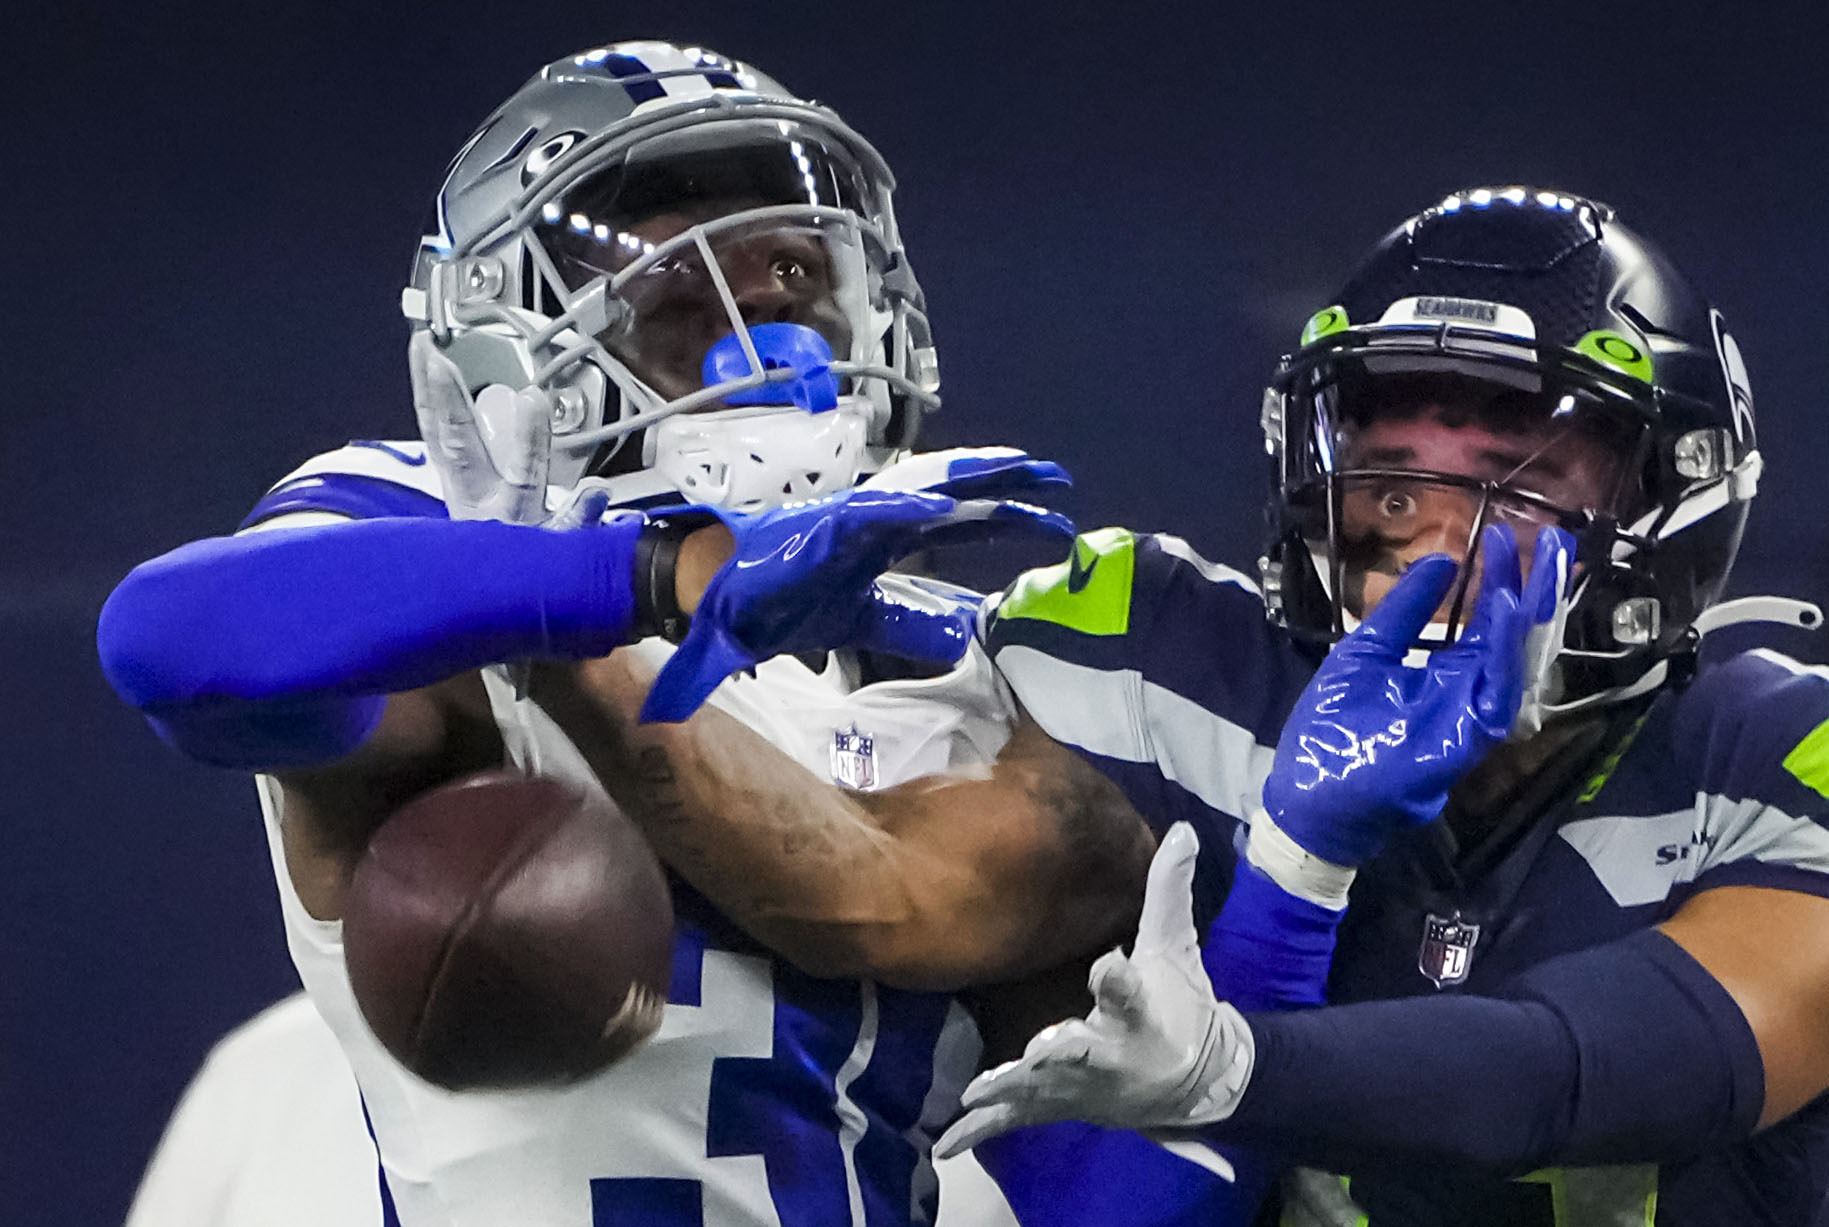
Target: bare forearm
(932,884)
(797,863)
(425,738)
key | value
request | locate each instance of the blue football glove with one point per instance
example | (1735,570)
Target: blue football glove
(972,472)
(1372,745)
(803,579)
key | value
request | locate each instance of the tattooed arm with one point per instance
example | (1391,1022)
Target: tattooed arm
(941,882)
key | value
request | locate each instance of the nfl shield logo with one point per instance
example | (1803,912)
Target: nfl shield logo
(1447,949)
(854,759)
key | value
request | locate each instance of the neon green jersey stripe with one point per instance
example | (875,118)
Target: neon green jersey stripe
(1809,761)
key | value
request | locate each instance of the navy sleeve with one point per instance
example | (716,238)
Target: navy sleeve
(1554,1071)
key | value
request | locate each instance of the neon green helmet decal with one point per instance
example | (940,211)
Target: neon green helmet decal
(1617,352)
(1324,323)
(1089,593)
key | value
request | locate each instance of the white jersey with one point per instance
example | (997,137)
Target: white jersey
(269,1132)
(766,1096)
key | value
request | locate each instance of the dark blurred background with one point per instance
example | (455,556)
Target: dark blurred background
(1121,214)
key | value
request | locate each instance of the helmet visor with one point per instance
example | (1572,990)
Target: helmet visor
(1561,446)
(711,169)
(1381,471)
(1385,522)
(717,227)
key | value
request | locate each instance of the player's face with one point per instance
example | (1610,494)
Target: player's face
(777,273)
(1389,523)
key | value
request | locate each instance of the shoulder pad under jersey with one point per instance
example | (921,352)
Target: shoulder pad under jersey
(1090,593)
(1114,581)
(1147,623)
(1756,727)
(364,479)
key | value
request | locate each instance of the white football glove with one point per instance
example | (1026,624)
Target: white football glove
(1158,1051)
(492,454)
(1541,645)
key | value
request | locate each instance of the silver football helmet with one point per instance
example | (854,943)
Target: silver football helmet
(619,233)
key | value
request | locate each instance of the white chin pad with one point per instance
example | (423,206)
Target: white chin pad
(753,459)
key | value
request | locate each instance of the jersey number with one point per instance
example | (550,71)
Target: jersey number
(784,1092)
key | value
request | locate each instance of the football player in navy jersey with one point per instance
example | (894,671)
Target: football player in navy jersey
(1513,463)
(1583,977)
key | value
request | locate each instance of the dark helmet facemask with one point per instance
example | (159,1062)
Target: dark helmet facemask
(1537,319)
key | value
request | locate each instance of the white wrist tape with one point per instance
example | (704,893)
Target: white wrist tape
(1295,869)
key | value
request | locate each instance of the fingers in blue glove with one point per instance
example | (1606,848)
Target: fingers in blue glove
(1499,558)
(1499,585)
(697,667)
(925,635)
(803,578)
(1000,477)
(990,520)
(1508,610)
(1396,621)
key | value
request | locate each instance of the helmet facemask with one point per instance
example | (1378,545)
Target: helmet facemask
(1386,449)
(633,252)
(1568,338)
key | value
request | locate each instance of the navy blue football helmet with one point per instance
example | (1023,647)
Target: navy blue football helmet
(1541,315)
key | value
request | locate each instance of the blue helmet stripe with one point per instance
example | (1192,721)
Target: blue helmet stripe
(626,66)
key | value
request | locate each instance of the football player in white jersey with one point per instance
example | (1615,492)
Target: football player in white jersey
(644,231)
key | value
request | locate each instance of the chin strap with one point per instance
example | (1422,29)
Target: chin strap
(1777,610)
(1783,610)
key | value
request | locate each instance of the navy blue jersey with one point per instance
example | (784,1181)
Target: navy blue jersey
(1162,669)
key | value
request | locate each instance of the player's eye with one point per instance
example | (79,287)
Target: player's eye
(789,268)
(1396,504)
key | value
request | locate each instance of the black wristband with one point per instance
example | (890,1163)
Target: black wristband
(657,555)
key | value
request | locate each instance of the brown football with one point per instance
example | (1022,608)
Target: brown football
(508,930)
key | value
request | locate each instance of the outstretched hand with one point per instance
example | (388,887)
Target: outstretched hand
(1158,1051)
(972,472)
(492,455)
(803,579)
(1374,745)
